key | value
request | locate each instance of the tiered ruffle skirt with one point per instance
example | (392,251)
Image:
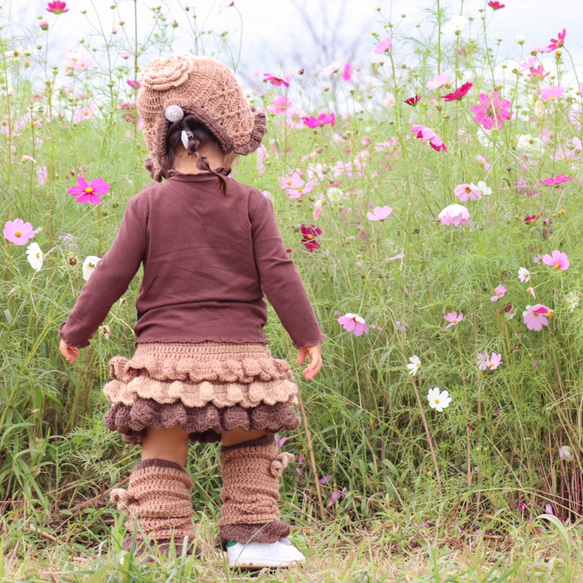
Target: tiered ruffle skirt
(205,388)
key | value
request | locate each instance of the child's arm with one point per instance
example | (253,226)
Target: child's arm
(314,354)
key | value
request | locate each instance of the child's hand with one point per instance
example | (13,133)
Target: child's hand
(69,352)
(314,354)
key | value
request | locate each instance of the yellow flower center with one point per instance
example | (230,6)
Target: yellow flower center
(38,255)
(18,234)
(557,266)
(437,401)
(92,265)
(310,236)
(89,190)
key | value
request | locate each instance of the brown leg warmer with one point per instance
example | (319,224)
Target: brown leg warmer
(251,473)
(158,504)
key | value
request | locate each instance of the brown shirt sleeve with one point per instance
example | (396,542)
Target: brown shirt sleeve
(108,282)
(279,278)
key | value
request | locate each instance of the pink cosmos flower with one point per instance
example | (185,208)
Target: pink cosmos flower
(551,93)
(353,323)
(438,81)
(279,105)
(88,192)
(347,72)
(558,42)
(83,112)
(318,209)
(494,361)
(261,155)
(322,120)
(492,110)
(401,326)
(458,93)
(534,317)
(309,235)
(524,275)
(426,133)
(18,232)
(57,7)
(298,192)
(44,25)
(454,214)
(557,259)
(499,293)
(556,180)
(42,174)
(79,60)
(467,192)
(133,84)
(453,318)
(124,54)
(483,161)
(383,46)
(277,81)
(294,116)
(379,213)
(530,291)
(495,5)
(293,181)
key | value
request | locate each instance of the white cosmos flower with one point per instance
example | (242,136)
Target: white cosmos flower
(89,266)
(573,301)
(528,143)
(565,453)
(455,25)
(484,188)
(35,256)
(438,399)
(414,366)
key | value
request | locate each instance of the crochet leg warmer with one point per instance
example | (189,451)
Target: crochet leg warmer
(158,505)
(251,473)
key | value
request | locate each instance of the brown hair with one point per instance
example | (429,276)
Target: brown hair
(199,136)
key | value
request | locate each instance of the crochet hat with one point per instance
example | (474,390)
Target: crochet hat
(179,85)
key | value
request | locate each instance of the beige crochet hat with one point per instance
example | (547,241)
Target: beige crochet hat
(178,85)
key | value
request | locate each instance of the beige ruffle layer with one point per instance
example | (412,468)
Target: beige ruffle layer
(222,374)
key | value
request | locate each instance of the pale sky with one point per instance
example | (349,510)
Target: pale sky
(282,35)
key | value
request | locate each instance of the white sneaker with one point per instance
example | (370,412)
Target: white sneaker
(260,555)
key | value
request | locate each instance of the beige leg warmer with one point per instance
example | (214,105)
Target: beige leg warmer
(251,473)
(158,504)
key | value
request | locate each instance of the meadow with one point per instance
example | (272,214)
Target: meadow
(430,201)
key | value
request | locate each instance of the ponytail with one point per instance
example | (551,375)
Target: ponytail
(190,134)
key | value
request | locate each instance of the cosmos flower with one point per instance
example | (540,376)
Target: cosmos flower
(492,110)
(495,5)
(309,235)
(425,133)
(57,7)
(524,274)
(413,100)
(557,259)
(438,399)
(556,180)
(467,192)
(458,93)
(534,317)
(383,46)
(438,81)
(551,93)
(558,42)
(453,318)
(353,323)
(498,293)
(88,192)
(89,266)
(18,232)
(454,214)
(322,120)
(414,364)
(277,81)
(379,213)
(35,256)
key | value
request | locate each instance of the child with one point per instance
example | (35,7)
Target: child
(210,249)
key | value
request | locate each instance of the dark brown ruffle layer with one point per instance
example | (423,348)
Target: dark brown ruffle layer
(204,424)
(259,533)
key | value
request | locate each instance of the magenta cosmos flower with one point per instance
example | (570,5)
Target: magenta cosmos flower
(496,5)
(88,192)
(492,110)
(379,213)
(557,43)
(353,323)
(458,93)
(322,120)
(277,81)
(557,259)
(534,317)
(18,232)
(556,180)
(425,133)
(57,7)
(413,100)
(454,214)
(454,319)
(309,235)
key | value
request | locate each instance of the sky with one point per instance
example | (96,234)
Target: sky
(284,35)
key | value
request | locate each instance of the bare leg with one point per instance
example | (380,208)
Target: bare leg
(166,444)
(237,436)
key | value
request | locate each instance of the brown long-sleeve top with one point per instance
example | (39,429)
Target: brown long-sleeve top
(209,258)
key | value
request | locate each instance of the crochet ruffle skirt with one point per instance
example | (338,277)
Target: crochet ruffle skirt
(205,388)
